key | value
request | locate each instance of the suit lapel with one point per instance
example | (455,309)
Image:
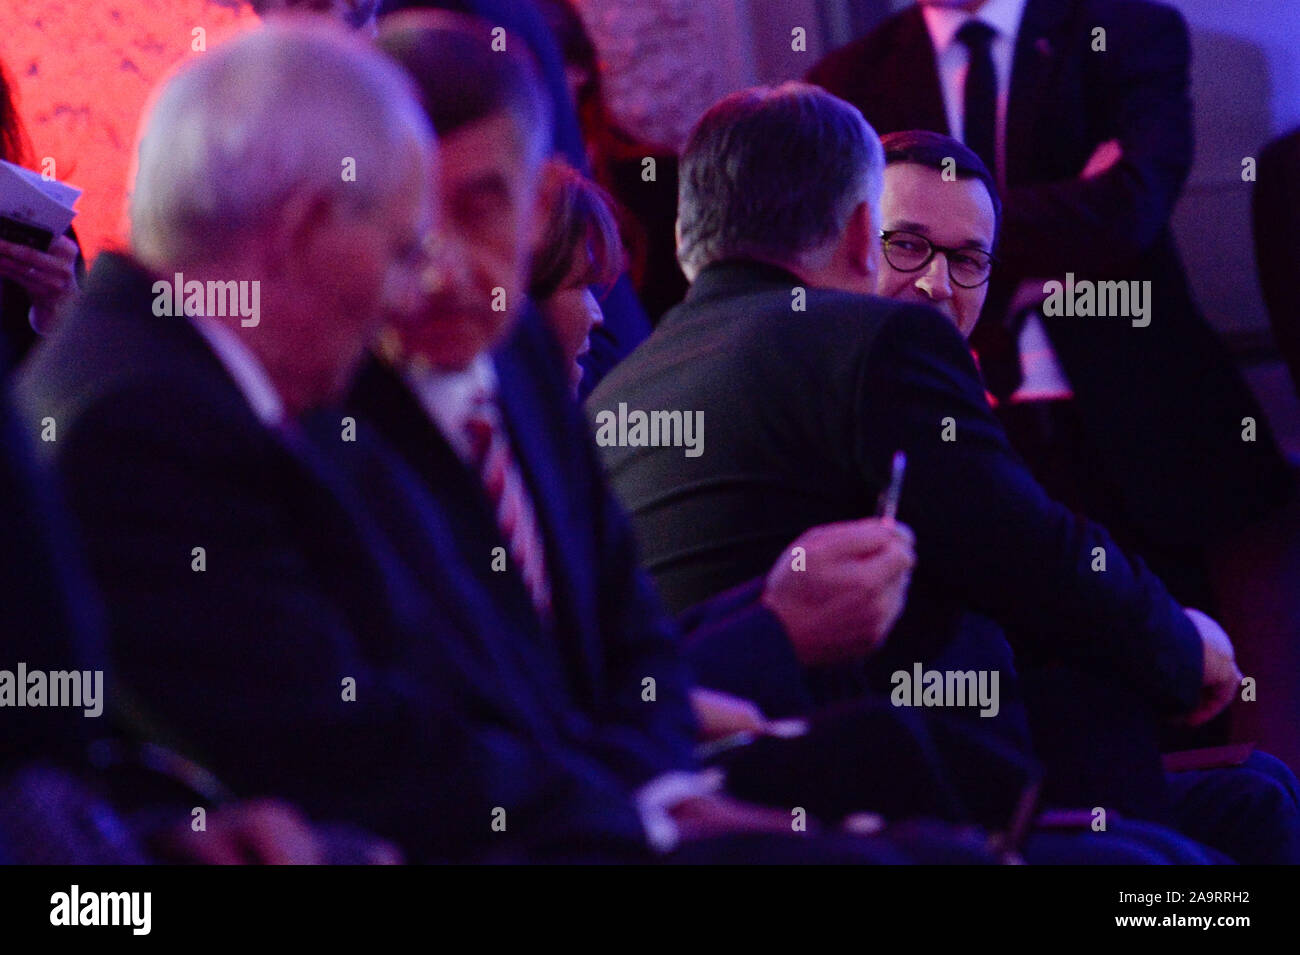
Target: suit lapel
(563,520)
(921,103)
(421,443)
(381,501)
(1039,46)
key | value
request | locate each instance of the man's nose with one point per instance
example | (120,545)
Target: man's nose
(934,281)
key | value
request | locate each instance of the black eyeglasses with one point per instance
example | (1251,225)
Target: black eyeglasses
(909,252)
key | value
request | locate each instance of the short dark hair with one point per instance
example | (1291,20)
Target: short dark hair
(940,153)
(773,173)
(461,79)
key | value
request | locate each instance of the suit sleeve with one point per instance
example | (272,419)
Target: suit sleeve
(1139,86)
(246,659)
(987,530)
(1275,209)
(735,644)
(642,739)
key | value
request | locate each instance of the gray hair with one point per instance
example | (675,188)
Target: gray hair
(774,173)
(280,110)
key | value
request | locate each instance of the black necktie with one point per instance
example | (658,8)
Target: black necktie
(994,339)
(980,100)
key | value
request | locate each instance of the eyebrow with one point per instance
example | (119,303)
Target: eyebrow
(919,229)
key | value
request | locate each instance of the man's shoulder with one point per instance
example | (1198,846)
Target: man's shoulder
(892,34)
(1158,14)
(808,327)
(802,314)
(92,388)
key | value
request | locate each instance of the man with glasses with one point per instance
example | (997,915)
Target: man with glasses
(939,222)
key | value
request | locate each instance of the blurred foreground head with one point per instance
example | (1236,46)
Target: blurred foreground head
(484,96)
(295,156)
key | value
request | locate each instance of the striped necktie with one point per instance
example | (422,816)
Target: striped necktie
(504,484)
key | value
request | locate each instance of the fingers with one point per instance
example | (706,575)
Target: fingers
(721,714)
(46,276)
(855,538)
(275,834)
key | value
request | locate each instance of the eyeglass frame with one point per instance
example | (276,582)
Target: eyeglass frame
(886,235)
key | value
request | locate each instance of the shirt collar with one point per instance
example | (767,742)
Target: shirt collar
(944,22)
(242,365)
(449,395)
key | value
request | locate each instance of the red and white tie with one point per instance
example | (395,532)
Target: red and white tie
(502,480)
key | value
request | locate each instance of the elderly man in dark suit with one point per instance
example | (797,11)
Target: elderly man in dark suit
(1081,109)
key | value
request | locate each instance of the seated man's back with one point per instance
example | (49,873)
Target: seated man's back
(806,388)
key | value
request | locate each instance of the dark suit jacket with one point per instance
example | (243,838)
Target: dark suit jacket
(245,661)
(52,620)
(609,631)
(1163,403)
(1276,213)
(802,414)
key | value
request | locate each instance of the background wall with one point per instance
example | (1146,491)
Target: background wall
(84,69)
(674,57)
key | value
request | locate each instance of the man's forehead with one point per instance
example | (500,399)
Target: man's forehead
(919,199)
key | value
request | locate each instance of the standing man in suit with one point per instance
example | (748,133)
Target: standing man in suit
(1081,109)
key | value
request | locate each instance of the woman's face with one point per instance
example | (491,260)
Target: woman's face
(572,312)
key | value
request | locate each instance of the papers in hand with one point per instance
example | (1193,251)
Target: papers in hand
(34,209)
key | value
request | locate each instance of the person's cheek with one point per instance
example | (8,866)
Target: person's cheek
(887,283)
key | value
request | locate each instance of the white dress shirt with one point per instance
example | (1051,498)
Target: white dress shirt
(448,398)
(1043,377)
(244,367)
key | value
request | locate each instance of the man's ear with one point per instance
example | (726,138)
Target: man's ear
(860,243)
(295,230)
(687,271)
